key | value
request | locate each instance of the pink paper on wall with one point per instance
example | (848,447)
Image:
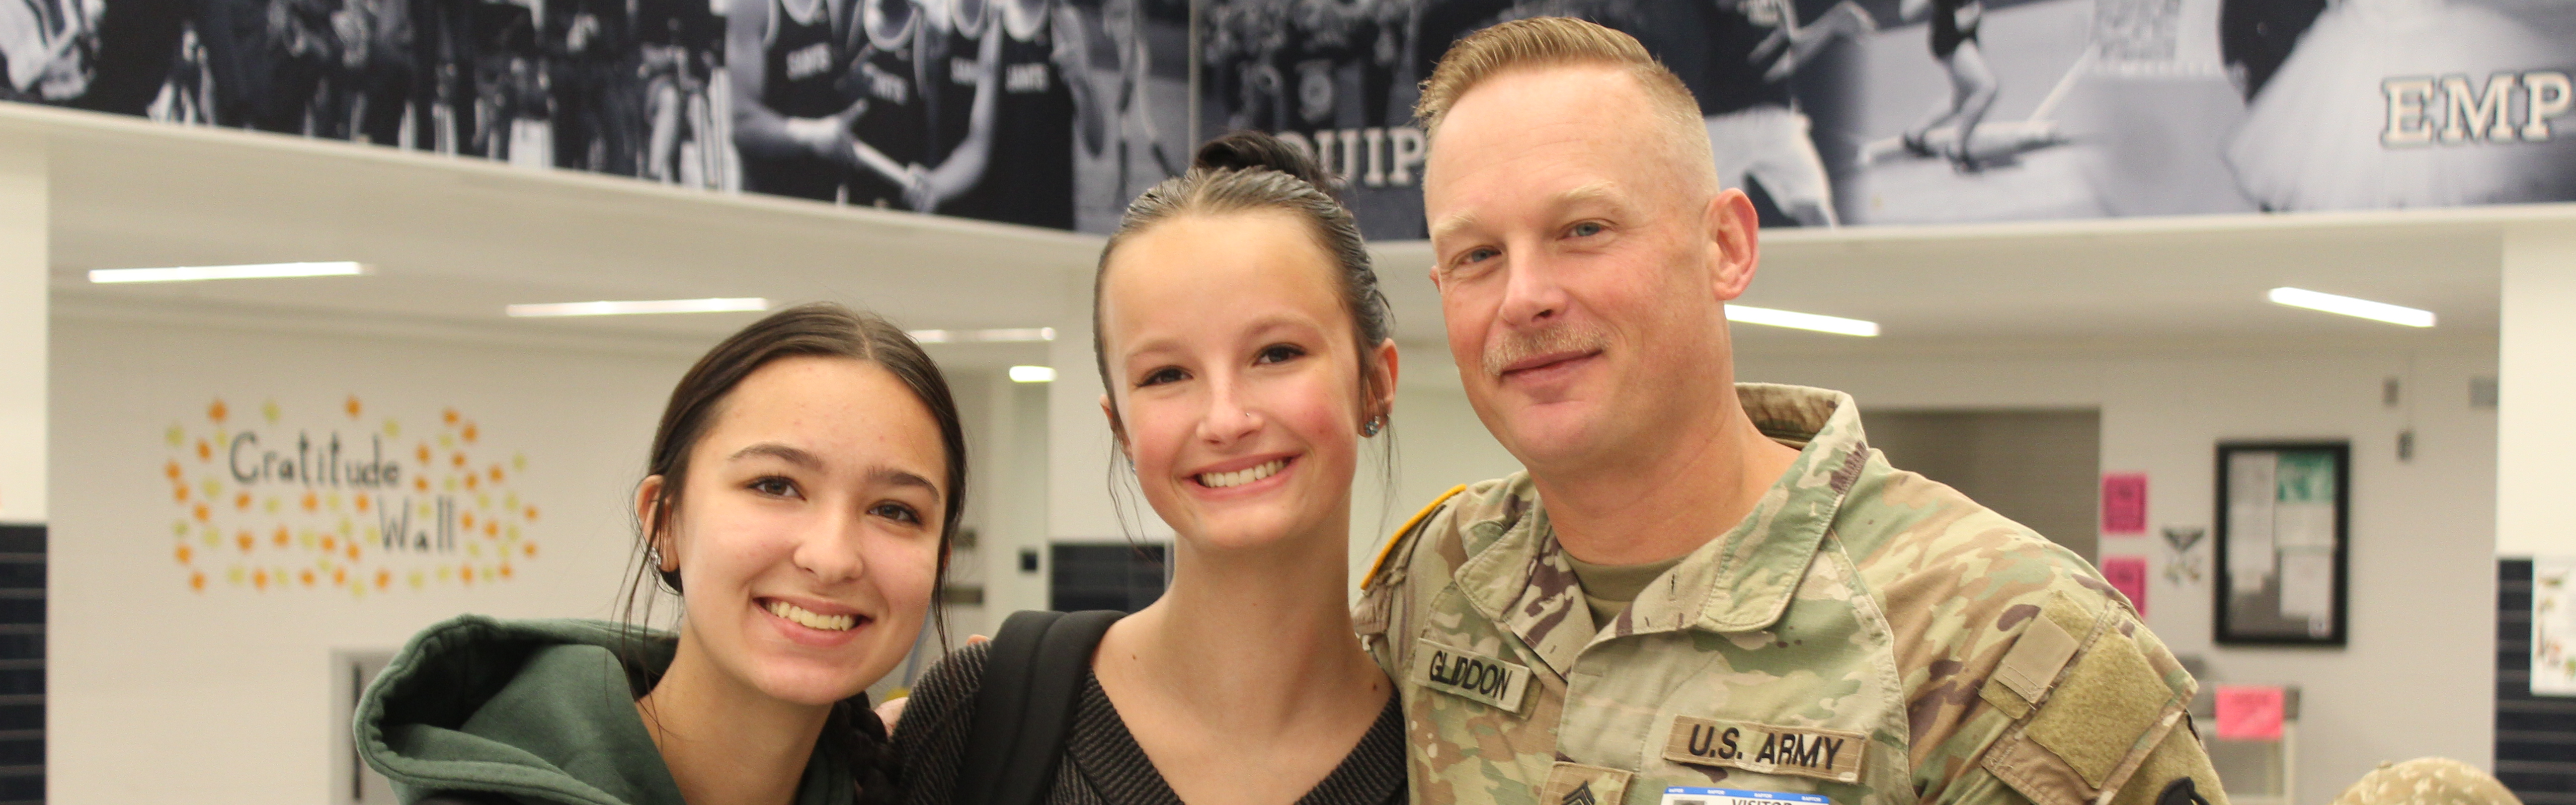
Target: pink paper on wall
(2128,574)
(2249,712)
(2124,503)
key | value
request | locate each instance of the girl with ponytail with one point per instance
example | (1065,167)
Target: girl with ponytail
(799,500)
(1244,345)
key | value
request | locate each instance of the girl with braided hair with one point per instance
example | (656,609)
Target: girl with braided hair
(800,499)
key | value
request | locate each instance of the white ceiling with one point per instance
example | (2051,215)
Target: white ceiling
(454,240)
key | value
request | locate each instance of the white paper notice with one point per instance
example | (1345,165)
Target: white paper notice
(2307,584)
(2304,525)
(2553,627)
(2250,546)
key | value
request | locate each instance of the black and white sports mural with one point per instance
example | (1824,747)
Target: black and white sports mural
(1041,112)
(1055,112)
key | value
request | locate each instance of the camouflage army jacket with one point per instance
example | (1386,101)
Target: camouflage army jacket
(1865,635)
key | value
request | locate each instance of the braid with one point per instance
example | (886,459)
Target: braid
(871,755)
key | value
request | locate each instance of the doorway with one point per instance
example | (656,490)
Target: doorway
(2040,467)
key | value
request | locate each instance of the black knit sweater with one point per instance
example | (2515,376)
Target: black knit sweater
(1102,763)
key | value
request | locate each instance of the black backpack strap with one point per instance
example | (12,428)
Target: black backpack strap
(1024,708)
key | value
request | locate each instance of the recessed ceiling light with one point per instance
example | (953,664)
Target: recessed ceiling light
(982,336)
(1032,374)
(729,305)
(244,272)
(2361,308)
(1802,321)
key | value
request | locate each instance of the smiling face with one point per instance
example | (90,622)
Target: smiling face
(808,529)
(1234,376)
(1582,272)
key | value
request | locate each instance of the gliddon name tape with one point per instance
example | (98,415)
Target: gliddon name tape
(1684,795)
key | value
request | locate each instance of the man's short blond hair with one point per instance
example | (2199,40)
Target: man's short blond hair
(1566,42)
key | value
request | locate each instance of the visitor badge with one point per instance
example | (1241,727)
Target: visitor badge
(1685,795)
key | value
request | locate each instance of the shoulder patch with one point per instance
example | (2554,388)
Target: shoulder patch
(2087,702)
(1404,534)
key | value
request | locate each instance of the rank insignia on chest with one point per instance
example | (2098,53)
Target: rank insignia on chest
(1766,749)
(1467,674)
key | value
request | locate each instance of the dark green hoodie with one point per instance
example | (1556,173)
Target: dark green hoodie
(540,711)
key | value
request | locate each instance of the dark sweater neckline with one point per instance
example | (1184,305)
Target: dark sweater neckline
(1116,766)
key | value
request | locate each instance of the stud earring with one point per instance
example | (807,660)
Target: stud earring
(1370,428)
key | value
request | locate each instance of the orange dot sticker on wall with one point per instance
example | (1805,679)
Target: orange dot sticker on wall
(179,493)
(468,520)
(339,576)
(471,482)
(201,512)
(306,577)
(492,529)
(422,453)
(184,554)
(241,500)
(457,460)
(449,415)
(205,452)
(384,579)
(470,432)
(217,411)
(329,544)
(532,514)
(419,483)
(312,502)
(259,579)
(353,550)
(496,472)
(197,582)
(282,537)
(465,574)
(529,548)
(363,503)
(172,469)
(505,570)
(353,407)
(245,540)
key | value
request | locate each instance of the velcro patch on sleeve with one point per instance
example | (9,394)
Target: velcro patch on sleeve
(1474,676)
(1766,749)
(2096,716)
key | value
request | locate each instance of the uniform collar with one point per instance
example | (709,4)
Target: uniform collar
(1738,581)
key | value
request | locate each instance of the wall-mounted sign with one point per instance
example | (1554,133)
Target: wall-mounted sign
(2553,627)
(336,496)
(2124,503)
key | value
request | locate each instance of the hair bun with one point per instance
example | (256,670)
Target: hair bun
(1255,150)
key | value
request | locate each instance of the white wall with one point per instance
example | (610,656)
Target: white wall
(2535,433)
(226,690)
(23,213)
(2416,678)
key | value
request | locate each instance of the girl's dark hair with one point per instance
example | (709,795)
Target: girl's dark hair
(1247,171)
(819,329)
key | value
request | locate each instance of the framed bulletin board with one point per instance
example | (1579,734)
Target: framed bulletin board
(2284,522)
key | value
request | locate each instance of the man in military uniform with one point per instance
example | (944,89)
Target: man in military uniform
(1701,593)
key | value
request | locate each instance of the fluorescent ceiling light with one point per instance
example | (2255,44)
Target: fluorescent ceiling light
(1803,321)
(2362,308)
(982,336)
(1032,374)
(732,305)
(195,273)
